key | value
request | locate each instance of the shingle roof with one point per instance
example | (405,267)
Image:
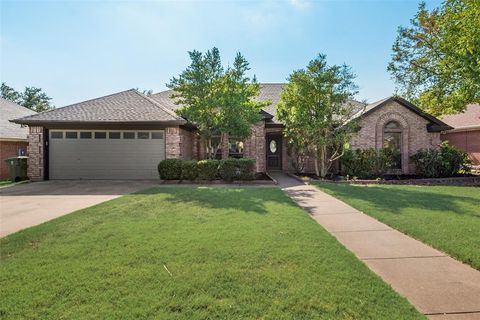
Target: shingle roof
(470,118)
(268,91)
(125,106)
(8,111)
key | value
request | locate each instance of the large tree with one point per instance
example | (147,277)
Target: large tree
(317,112)
(219,101)
(436,60)
(32,98)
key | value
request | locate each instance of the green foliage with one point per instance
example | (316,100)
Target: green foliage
(170,169)
(316,110)
(32,98)
(436,60)
(208,169)
(218,101)
(237,169)
(369,163)
(189,170)
(444,162)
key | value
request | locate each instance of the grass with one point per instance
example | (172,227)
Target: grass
(447,218)
(189,253)
(4,183)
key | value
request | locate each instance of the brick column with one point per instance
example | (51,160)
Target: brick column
(35,149)
(172,143)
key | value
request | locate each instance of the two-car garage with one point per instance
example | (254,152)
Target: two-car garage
(105,154)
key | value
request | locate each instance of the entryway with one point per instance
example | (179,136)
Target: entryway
(274,152)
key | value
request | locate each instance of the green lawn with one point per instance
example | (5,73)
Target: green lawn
(4,183)
(447,218)
(237,253)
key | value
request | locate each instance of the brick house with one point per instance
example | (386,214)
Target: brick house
(125,135)
(465,134)
(13,137)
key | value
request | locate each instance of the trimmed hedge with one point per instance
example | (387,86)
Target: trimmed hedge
(369,163)
(170,169)
(208,169)
(227,169)
(438,163)
(189,170)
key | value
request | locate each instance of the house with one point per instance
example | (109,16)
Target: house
(125,135)
(13,137)
(465,134)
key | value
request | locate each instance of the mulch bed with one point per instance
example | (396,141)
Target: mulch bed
(260,179)
(470,180)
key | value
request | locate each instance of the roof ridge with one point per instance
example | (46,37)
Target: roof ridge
(170,112)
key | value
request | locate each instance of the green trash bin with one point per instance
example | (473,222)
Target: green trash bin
(17,167)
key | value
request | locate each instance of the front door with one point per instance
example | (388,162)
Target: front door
(274,152)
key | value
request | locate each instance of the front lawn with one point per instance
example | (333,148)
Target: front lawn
(447,218)
(4,183)
(189,253)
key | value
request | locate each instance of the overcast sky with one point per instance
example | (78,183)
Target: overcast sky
(80,50)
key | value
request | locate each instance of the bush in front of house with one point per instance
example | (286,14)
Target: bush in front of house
(369,163)
(227,169)
(170,169)
(444,162)
(208,169)
(237,169)
(189,170)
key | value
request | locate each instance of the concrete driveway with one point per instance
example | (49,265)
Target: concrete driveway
(29,204)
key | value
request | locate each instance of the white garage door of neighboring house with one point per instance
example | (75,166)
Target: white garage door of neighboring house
(100,154)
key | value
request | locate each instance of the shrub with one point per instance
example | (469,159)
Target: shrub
(444,162)
(207,169)
(189,170)
(246,168)
(369,163)
(170,169)
(237,169)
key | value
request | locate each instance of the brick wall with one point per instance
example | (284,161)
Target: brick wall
(468,141)
(35,152)
(180,144)
(9,149)
(254,146)
(414,132)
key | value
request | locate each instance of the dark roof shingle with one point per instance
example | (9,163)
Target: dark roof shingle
(467,119)
(125,106)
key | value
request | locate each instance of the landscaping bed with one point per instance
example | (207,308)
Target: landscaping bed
(190,253)
(445,217)
(261,178)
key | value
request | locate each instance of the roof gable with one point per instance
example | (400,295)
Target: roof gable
(125,106)
(435,125)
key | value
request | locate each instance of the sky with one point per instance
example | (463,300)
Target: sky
(78,50)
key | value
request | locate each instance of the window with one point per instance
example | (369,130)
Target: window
(114,135)
(85,135)
(129,135)
(143,135)
(392,139)
(273,146)
(157,135)
(235,148)
(100,135)
(56,135)
(71,135)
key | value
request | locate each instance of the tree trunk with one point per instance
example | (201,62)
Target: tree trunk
(323,156)
(317,172)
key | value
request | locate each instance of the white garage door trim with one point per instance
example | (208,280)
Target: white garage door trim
(105,154)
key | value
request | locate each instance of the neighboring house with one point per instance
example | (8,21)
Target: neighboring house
(125,135)
(465,134)
(13,137)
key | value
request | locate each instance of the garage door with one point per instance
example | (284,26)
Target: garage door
(85,154)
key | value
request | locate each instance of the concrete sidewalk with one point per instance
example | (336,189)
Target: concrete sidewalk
(437,285)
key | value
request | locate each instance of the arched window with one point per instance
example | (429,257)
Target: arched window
(392,139)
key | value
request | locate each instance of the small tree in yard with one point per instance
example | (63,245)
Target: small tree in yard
(316,111)
(219,101)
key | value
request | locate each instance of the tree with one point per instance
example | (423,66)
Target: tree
(436,60)
(218,101)
(9,93)
(32,98)
(317,112)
